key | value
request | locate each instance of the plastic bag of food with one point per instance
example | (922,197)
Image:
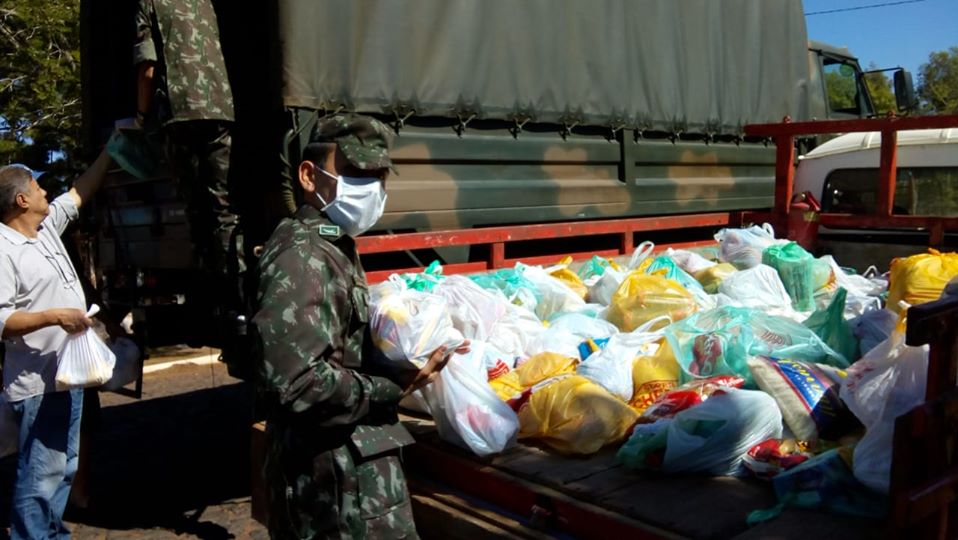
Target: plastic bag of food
(602,290)
(486,315)
(873,327)
(425,280)
(572,280)
(807,395)
(689,261)
(566,333)
(573,415)
(887,382)
(554,295)
(466,410)
(517,289)
(642,252)
(720,341)
(535,370)
(758,287)
(84,360)
(710,278)
(9,429)
(410,325)
(823,482)
(829,324)
(653,376)
(642,297)
(920,278)
(743,247)
(712,437)
(611,366)
(769,458)
(794,267)
(688,395)
(595,267)
(665,266)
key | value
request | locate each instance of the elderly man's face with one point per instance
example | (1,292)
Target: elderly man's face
(36,198)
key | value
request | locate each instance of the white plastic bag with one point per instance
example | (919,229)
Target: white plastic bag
(409,325)
(128,367)
(602,290)
(689,261)
(565,333)
(466,409)
(554,295)
(758,287)
(887,382)
(486,315)
(611,366)
(715,435)
(642,252)
(9,430)
(743,247)
(84,360)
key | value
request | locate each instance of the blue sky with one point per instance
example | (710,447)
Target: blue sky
(887,36)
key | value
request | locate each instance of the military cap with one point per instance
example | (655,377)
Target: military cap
(362,139)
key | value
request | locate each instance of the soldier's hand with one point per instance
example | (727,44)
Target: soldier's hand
(72,320)
(430,372)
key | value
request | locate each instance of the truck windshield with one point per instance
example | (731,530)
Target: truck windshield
(844,87)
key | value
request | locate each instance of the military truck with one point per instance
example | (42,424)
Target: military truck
(505,114)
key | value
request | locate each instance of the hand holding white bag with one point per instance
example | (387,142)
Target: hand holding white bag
(466,409)
(84,359)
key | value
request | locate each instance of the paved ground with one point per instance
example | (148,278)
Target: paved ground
(174,464)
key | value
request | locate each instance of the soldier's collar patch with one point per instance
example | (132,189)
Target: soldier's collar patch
(329,230)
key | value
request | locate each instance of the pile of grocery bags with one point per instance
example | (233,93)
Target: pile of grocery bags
(760,360)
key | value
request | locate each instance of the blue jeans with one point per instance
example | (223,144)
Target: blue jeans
(49,445)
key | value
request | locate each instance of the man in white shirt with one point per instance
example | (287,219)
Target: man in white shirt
(41,303)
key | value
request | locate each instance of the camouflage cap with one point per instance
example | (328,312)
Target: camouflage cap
(363,140)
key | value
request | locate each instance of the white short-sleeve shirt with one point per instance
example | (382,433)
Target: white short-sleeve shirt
(36,274)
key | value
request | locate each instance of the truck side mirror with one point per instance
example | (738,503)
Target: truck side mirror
(904,90)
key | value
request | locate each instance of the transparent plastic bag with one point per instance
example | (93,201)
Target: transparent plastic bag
(84,360)
(689,261)
(572,280)
(611,366)
(642,297)
(713,276)
(565,333)
(466,409)
(758,287)
(743,247)
(887,382)
(602,290)
(517,289)
(409,325)
(642,252)
(554,295)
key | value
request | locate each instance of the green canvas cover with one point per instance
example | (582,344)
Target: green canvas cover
(704,66)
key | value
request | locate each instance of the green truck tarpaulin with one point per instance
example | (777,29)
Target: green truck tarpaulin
(704,66)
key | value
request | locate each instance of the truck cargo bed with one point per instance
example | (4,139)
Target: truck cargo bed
(596,497)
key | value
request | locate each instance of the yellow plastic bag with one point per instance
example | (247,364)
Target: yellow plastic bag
(653,376)
(920,278)
(570,278)
(710,278)
(642,297)
(574,415)
(534,370)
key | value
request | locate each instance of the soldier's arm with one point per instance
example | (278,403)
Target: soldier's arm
(144,57)
(300,308)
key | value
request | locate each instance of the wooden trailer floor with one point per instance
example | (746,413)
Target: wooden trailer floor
(595,497)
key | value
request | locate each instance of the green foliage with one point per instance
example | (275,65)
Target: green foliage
(841,90)
(938,88)
(883,96)
(39,81)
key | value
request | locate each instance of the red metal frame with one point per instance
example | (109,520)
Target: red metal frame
(497,237)
(784,134)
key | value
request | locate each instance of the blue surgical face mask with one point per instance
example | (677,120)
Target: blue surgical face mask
(358,204)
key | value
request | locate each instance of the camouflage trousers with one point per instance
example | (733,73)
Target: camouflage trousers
(335,494)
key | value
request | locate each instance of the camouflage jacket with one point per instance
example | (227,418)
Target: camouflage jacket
(313,337)
(183,38)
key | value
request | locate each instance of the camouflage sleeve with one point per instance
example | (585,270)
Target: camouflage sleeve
(144,50)
(301,302)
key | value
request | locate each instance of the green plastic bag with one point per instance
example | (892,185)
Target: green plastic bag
(674,272)
(425,280)
(720,342)
(829,324)
(517,289)
(796,268)
(824,482)
(593,267)
(136,151)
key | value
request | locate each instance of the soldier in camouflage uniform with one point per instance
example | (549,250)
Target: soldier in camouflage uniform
(182,85)
(333,465)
